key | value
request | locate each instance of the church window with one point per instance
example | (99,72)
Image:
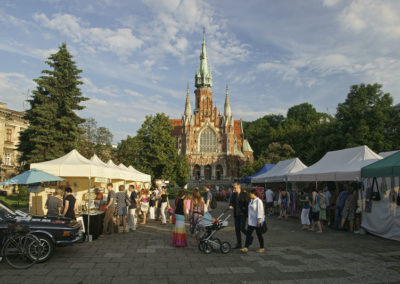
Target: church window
(208,141)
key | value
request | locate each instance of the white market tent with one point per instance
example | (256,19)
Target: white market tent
(111,172)
(141,176)
(123,175)
(387,154)
(280,172)
(72,164)
(341,165)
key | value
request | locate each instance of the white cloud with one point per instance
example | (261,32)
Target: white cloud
(331,3)
(120,41)
(15,89)
(127,120)
(25,50)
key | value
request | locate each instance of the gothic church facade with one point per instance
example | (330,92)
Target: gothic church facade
(213,143)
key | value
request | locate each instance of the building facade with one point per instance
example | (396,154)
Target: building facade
(11,124)
(213,143)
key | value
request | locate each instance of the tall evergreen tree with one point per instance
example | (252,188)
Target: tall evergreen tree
(53,124)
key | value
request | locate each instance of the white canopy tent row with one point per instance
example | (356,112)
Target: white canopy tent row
(341,165)
(280,172)
(74,165)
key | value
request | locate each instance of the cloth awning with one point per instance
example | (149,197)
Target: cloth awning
(387,167)
(31,177)
(280,172)
(263,170)
(72,164)
(341,165)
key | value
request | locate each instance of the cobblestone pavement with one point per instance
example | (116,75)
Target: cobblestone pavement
(291,256)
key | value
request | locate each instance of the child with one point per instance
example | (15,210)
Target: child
(170,212)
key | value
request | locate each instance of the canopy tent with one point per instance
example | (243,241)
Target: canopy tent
(384,218)
(111,172)
(387,154)
(141,176)
(341,165)
(387,167)
(72,164)
(123,175)
(280,172)
(263,170)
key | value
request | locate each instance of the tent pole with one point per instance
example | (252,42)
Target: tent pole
(88,220)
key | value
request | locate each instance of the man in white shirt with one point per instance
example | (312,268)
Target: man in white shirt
(269,199)
(255,222)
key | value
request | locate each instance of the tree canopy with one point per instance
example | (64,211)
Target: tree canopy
(367,117)
(53,123)
(153,150)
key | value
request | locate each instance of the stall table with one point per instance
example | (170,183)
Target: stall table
(96,223)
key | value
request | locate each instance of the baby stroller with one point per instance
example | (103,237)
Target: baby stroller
(210,226)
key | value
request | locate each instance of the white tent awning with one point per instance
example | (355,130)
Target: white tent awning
(341,165)
(280,172)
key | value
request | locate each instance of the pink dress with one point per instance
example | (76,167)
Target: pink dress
(187,205)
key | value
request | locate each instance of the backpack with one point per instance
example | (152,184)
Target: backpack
(213,202)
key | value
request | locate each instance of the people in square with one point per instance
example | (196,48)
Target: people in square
(239,203)
(108,223)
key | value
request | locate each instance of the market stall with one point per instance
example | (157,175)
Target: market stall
(264,169)
(280,172)
(341,165)
(382,217)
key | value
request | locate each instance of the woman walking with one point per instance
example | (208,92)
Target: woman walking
(164,205)
(255,222)
(196,213)
(121,210)
(179,234)
(144,204)
(69,204)
(305,211)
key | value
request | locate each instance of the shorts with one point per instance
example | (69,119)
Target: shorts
(348,214)
(315,216)
(270,205)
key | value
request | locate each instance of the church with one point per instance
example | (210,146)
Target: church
(213,143)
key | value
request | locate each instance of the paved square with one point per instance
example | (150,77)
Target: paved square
(291,256)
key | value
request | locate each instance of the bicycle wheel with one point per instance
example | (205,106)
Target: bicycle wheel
(16,251)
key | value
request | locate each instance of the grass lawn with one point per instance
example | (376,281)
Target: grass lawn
(13,202)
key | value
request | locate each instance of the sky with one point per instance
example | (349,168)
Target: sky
(138,56)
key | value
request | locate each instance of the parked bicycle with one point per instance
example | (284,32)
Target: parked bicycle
(20,249)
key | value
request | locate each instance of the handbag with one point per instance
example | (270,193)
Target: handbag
(264,227)
(375,196)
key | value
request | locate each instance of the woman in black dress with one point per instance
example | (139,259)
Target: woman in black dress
(69,204)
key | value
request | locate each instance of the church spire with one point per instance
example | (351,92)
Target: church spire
(188,107)
(203,76)
(227,106)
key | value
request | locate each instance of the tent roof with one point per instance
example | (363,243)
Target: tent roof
(387,154)
(72,164)
(142,176)
(31,177)
(263,170)
(341,165)
(389,166)
(280,171)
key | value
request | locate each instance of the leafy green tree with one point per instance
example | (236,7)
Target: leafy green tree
(153,150)
(367,117)
(53,124)
(277,152)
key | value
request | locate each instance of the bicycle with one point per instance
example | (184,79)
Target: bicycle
(21,249)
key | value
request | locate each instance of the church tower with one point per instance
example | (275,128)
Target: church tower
(213,143)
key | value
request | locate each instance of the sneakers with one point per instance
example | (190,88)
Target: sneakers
(260,250)
(244,250)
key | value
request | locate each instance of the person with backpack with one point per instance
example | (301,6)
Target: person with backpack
(315,212)
(239,202)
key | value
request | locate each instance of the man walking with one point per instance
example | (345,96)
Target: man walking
(328,196)
(239,203)
(207,198)
(132,220)
(269,199)
(108,224)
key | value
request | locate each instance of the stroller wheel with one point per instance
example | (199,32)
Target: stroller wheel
(207,249)
(225,247)
(201,246)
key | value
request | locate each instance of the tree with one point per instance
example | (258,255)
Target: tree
(53,124)
(96,140)
(277,152)
(367,117)
(153,150)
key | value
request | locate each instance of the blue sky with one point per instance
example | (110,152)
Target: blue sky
(138,56)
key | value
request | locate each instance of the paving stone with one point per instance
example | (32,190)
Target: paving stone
(242,270)
(114,254)
(218,270)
